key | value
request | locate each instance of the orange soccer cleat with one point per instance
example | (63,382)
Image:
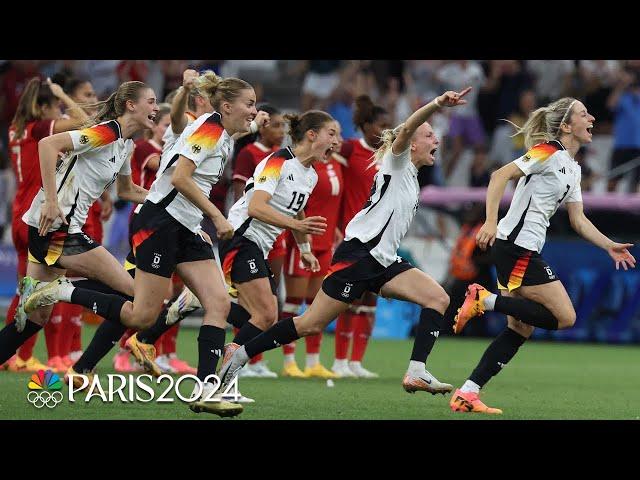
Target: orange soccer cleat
(470,403)
(472,306)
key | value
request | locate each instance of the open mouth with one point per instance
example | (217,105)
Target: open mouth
(590,130)
(152,117)
(433,152)
(328,152)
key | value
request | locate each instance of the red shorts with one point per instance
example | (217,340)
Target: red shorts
(20,235)
(293,266)
(93,225)
(279,249)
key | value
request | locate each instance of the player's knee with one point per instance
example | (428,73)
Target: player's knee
(438,301)
(567,320)
(218,304)
(264,318)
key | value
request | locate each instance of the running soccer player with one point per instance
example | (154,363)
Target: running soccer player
(531,295)
(367,259)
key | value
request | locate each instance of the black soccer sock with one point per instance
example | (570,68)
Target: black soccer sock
(11,339)
(527,311)
(238,315)
(427,333)
(281,333)
(497,355)
(106,337)
(210,344)
(246,333)
(105,305)
(154,332)
(99,287)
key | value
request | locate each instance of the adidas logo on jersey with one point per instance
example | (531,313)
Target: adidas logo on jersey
(112,159)
(290,177)
(562,170)
(435,333)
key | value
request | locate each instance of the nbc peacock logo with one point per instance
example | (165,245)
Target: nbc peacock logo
(44,389)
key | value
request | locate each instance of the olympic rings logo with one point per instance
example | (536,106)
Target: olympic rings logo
(40,399)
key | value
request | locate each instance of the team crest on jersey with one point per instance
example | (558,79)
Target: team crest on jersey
(262,179)
(196,148)
(526,158)
(84,139)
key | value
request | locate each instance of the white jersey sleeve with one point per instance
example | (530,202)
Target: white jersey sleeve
(536,160)
(576,193)
(126,167)
(401,160)
(202,143)
(267,175)
(94,137)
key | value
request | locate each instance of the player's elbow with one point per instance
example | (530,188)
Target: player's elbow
(254,209)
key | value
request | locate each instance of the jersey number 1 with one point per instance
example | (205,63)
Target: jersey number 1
(298,202)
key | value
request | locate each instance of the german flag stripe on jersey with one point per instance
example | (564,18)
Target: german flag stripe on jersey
(519,269)
(206,135)
(56,245)
(100,135)
(336,267)
(139,237)
(227,265)
(540,152)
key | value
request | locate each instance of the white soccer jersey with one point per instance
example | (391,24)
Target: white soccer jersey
(288,182)
(551,178)
(99,154)
(208,145)
(386,216)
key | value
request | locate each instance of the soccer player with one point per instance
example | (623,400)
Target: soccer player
(274,200)
(38,115)
(367,258)
(357,322)
(531,293)
(269,139)
(303,285)
(77,166)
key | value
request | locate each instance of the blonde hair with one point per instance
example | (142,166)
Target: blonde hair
(387,138)
(543,124)
(35,95)
(218,89)
(115,105)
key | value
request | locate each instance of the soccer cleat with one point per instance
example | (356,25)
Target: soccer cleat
(27,287)
(55,364)
(30,365)
(341,368)
(235,357)
(67,362)
(319,370)
(470,402)
(261,370)
(361,372)
(217,405)
(290,369)
(230,397)
(180,366)
(77,381)
(472,306)
(247,372)
(145,354)
(186,303)
(162,361)
(426,383)
(122,363)
(44,294)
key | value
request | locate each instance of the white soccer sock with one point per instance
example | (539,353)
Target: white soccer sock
(340,363)
(470,387)
(312,359)
(416,368)
(65,291)
(290,357)
(490,302)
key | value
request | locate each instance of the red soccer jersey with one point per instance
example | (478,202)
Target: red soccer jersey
(248,159)
(325,201)
(141,174)
(358,178)
(26,163)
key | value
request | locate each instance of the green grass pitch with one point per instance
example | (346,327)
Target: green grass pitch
(545,381)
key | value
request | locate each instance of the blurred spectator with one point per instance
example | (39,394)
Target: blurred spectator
(321,78)
(624,101)
(599,77)
(465,127)
(468,264)
(480,168)
(588,175)
(132,70)
(526,104)
(552,78)
(172,70)
(102,74)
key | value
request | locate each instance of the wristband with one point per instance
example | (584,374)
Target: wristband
(304,247)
